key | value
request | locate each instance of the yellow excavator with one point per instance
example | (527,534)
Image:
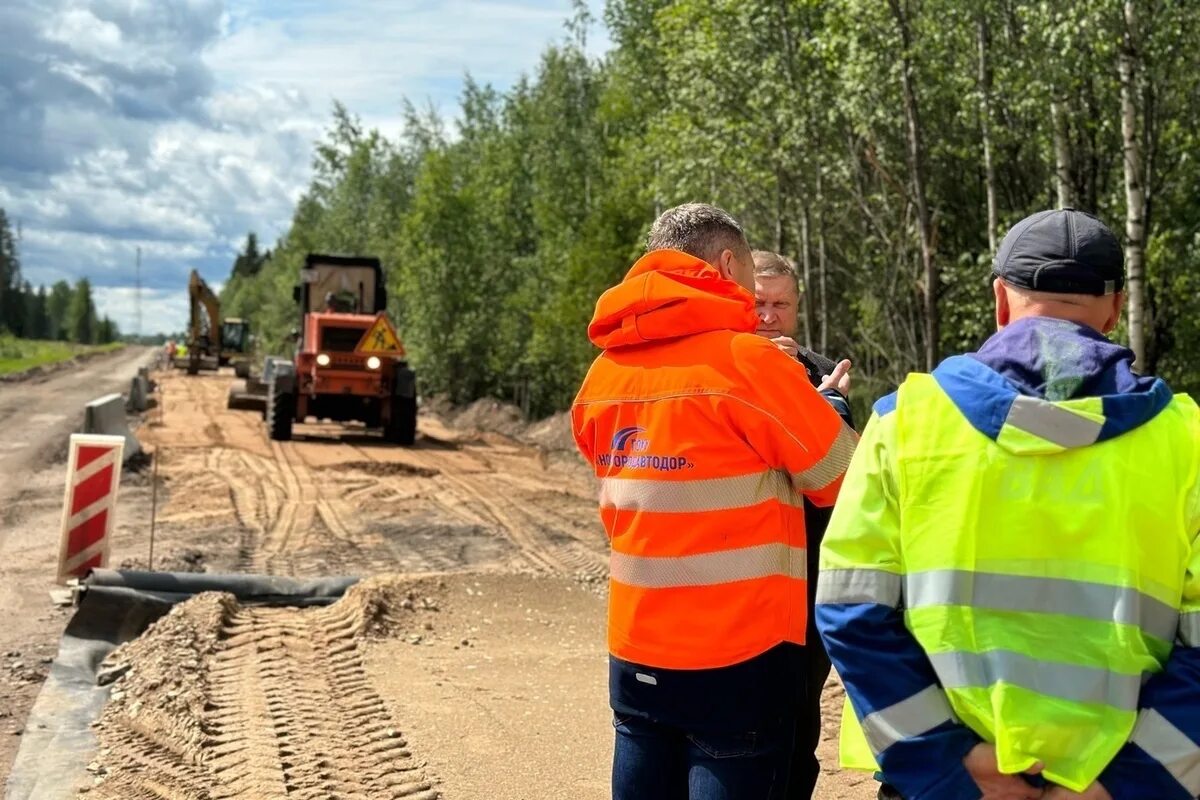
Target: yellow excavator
(214,342)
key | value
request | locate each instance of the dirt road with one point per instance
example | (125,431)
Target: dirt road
(36,417)
(37,414)
(484,679)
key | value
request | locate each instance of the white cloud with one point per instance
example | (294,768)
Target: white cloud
(177,126)
(83,32)
(163,310)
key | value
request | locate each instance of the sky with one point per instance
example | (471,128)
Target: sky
(177,126)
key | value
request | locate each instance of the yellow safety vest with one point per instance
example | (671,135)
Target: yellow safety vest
(1043,620)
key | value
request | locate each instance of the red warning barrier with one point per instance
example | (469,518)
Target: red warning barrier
(89,505)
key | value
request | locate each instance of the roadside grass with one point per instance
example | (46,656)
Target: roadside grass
(18,355)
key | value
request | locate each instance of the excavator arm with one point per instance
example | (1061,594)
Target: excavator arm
(205,314)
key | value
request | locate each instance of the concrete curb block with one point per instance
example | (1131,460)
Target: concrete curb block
(144,372)
(139,393)
(106,415)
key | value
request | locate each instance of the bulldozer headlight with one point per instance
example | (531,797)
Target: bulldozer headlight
(322,359)
(373,362)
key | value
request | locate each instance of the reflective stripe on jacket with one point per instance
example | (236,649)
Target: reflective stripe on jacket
(705,438)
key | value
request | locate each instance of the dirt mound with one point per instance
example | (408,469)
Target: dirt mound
(488,415)
(553,433)
(219,700)
(151,732)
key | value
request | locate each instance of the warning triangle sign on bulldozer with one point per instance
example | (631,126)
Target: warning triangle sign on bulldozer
(380,338)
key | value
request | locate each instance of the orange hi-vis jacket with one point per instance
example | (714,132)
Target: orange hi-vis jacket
(705,438)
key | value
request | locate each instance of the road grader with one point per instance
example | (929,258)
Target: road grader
(349,364)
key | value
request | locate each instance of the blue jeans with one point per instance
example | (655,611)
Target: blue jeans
(659,762)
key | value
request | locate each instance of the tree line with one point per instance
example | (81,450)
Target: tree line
(884,146)
(61,313)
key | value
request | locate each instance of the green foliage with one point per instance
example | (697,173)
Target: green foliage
(63,314)
(498,236)
(107,331)
(19,355)
(37,321)
(82,325)
(58,305)
(250,261)
(12,305)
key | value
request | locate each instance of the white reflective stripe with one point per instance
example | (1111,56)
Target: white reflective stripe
(712,494)
(104,461)
(1098,601)
(832,465)
(1054,424)
(962,670)
(1170,747)
(1189,628)
(911,717)
(859,586)
(86,513)
(709,569)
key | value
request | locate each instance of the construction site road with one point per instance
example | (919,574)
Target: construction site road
(472,665)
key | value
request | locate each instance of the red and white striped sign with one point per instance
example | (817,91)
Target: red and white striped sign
(89,506)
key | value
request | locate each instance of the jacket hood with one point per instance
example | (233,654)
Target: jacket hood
(668,294)
(1046,385)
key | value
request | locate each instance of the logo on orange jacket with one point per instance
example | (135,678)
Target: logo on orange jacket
(624,436)
(632,451)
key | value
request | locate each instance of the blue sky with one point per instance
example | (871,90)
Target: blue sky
(177,126)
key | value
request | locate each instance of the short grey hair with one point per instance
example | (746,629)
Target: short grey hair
(698,229)
(770,265)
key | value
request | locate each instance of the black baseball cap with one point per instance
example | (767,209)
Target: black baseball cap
(1064,252)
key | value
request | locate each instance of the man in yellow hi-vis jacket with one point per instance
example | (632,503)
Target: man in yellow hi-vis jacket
(1010,584)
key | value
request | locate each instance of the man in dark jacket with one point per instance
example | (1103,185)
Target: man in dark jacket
(777,300)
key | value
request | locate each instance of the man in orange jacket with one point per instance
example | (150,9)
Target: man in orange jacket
(705,439)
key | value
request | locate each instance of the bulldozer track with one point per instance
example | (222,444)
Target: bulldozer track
(286,710)
(294,715)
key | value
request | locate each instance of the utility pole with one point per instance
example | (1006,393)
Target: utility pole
(137,294)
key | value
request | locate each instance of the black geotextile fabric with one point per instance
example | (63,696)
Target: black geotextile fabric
(117,606)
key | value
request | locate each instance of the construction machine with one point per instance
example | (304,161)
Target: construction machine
(349,363)
(214,342)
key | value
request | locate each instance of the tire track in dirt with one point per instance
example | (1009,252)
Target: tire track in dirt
(254,513)
(295,516)
(545,540)
(273,703)
(295,520)
(294,716)
(324,505)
